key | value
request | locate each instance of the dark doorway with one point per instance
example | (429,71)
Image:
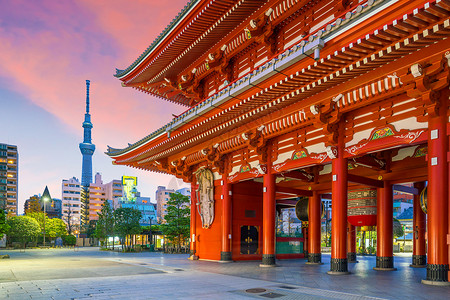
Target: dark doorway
(249,239)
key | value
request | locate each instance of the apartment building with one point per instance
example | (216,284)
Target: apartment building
(98,194)
(9,163)
(163,195)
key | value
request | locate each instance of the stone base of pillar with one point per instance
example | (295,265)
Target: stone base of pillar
(385,263)
(192,255)
(314,259)
(268,260)
(225,257)
(339,266)
(351,257)
(437,275)
(419,261)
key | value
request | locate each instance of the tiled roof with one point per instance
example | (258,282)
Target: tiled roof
(406,214)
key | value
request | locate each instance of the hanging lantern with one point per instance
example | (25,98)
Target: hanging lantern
(424,199)
(368,228)
(302,208)
(362,207)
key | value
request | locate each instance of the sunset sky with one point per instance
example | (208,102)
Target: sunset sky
(47,51)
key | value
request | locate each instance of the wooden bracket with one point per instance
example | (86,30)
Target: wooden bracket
(425,80)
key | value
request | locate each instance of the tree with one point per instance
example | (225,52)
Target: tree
(23,229)
(177,219)
(68,220)
(55,228)
(4,227)
(105,223)
(39,217)
(127,224)
(397,228)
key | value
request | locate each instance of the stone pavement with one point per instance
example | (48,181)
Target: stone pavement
(93,274)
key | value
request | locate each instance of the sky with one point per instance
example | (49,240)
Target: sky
(47,51)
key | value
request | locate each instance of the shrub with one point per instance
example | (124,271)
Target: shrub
(69,240)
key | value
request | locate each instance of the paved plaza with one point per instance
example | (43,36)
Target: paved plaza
(92,274)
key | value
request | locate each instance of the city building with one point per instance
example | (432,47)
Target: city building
(303,98)
(162,195)
(51,206)
(147,209)
(71,201)
(9,178)
(132,198)
(98,193)
(32,204)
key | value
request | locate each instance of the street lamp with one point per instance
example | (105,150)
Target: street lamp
(44,199)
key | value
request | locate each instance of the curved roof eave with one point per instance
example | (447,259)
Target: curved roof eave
(172,25)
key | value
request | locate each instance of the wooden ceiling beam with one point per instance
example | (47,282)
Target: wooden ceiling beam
(365,181)
(405,189)
(370,161)
(299,175)
(289,202)
(293,191)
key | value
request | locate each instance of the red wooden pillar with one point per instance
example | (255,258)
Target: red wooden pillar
(269,216)
(419,258)
(351,243)
(225,255)
(437,204)
(385,234)
(314,251)
(339,263)
(193,219)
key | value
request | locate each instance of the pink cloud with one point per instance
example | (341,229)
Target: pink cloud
(50,48)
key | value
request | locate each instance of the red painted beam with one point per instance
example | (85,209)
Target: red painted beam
(365,181)
(292,191)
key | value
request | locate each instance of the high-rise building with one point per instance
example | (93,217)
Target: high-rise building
(163,195)
(9,163)
(98,193)
(87,150)
(71,201)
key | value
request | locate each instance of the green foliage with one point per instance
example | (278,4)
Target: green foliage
(39,217)
(127,223)
(177,219)
(55,228)
(4,227)
(69,240)
(91,227)
(398,229)
(151,228)
(106,223)
(23,229)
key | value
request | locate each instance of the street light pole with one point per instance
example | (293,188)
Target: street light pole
(45,199)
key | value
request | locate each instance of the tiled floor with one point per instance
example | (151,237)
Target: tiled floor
(89,273)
